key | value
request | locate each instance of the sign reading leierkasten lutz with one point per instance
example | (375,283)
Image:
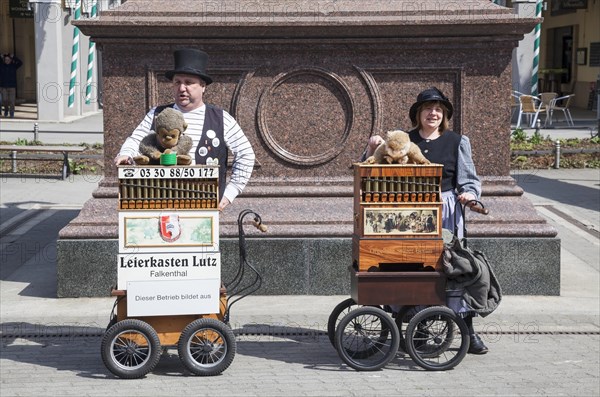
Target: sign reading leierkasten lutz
(165,266)
(169,261)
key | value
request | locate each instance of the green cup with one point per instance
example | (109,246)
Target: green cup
(168,159)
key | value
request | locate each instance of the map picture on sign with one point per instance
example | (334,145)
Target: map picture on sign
(168,230)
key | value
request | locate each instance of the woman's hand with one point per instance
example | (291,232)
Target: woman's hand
(466,197)
(373,143)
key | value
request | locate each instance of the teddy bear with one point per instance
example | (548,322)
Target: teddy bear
(168,138)
(397,149)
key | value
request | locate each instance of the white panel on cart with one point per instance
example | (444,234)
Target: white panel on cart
(162,298)
(167,267)
(161,231)
(162,172)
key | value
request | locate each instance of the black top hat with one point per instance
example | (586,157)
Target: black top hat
(190,61)
(430,95)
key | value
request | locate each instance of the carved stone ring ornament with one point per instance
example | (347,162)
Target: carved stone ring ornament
(305,116)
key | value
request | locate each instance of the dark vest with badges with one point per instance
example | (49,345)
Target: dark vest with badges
(443,150)
(212,141)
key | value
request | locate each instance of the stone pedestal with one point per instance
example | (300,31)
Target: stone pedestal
(309,82)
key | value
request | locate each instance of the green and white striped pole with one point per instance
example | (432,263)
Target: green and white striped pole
(536,50)
(74,55)
(90,66)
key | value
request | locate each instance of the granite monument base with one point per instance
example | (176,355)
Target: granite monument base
(311,266)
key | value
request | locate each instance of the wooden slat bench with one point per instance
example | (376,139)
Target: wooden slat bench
(65,150)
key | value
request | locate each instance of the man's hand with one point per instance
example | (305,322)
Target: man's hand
(123,160)
(224,203)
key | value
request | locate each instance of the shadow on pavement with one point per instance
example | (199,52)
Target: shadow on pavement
(61,347)
(76,348)
(560,191)
(29,256)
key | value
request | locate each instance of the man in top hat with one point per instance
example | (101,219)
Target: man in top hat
(212,129)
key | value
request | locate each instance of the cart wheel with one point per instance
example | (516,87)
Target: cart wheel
(206,347)
(343,308)
(367,338)
(437,339)
(130,349)
(337,314)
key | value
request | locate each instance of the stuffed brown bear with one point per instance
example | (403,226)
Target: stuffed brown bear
(168,138)
(397,149)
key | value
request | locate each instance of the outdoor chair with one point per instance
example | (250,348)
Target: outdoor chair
(546,98)
(515,105)
(562,104)
(531,107)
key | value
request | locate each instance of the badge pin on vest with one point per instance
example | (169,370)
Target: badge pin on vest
(203,151)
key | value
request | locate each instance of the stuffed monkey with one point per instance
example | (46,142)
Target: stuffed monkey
(168,138)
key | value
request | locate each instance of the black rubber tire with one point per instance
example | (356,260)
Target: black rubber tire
(206,347)
(437,339)
(338,312)
(367,338)
(130,349)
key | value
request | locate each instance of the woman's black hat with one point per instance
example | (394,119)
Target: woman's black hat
(190,61)
(430,95)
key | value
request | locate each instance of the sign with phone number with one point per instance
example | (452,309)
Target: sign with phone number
(195,172)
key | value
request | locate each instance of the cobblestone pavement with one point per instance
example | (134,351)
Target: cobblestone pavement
(539,345)
(517,365)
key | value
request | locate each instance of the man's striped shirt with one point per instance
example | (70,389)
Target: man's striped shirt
(235,139)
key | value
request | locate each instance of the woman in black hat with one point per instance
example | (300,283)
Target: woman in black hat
(213,130)
(430,115)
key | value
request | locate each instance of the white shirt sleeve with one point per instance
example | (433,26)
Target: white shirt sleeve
(131,145)
(243,156)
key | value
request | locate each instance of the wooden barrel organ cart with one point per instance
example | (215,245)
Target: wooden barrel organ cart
(169,291)
(397,251)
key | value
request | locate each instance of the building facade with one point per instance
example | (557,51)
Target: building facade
(570,50)
(60,68)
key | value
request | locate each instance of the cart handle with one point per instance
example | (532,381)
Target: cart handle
(474,205)
(236,288)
